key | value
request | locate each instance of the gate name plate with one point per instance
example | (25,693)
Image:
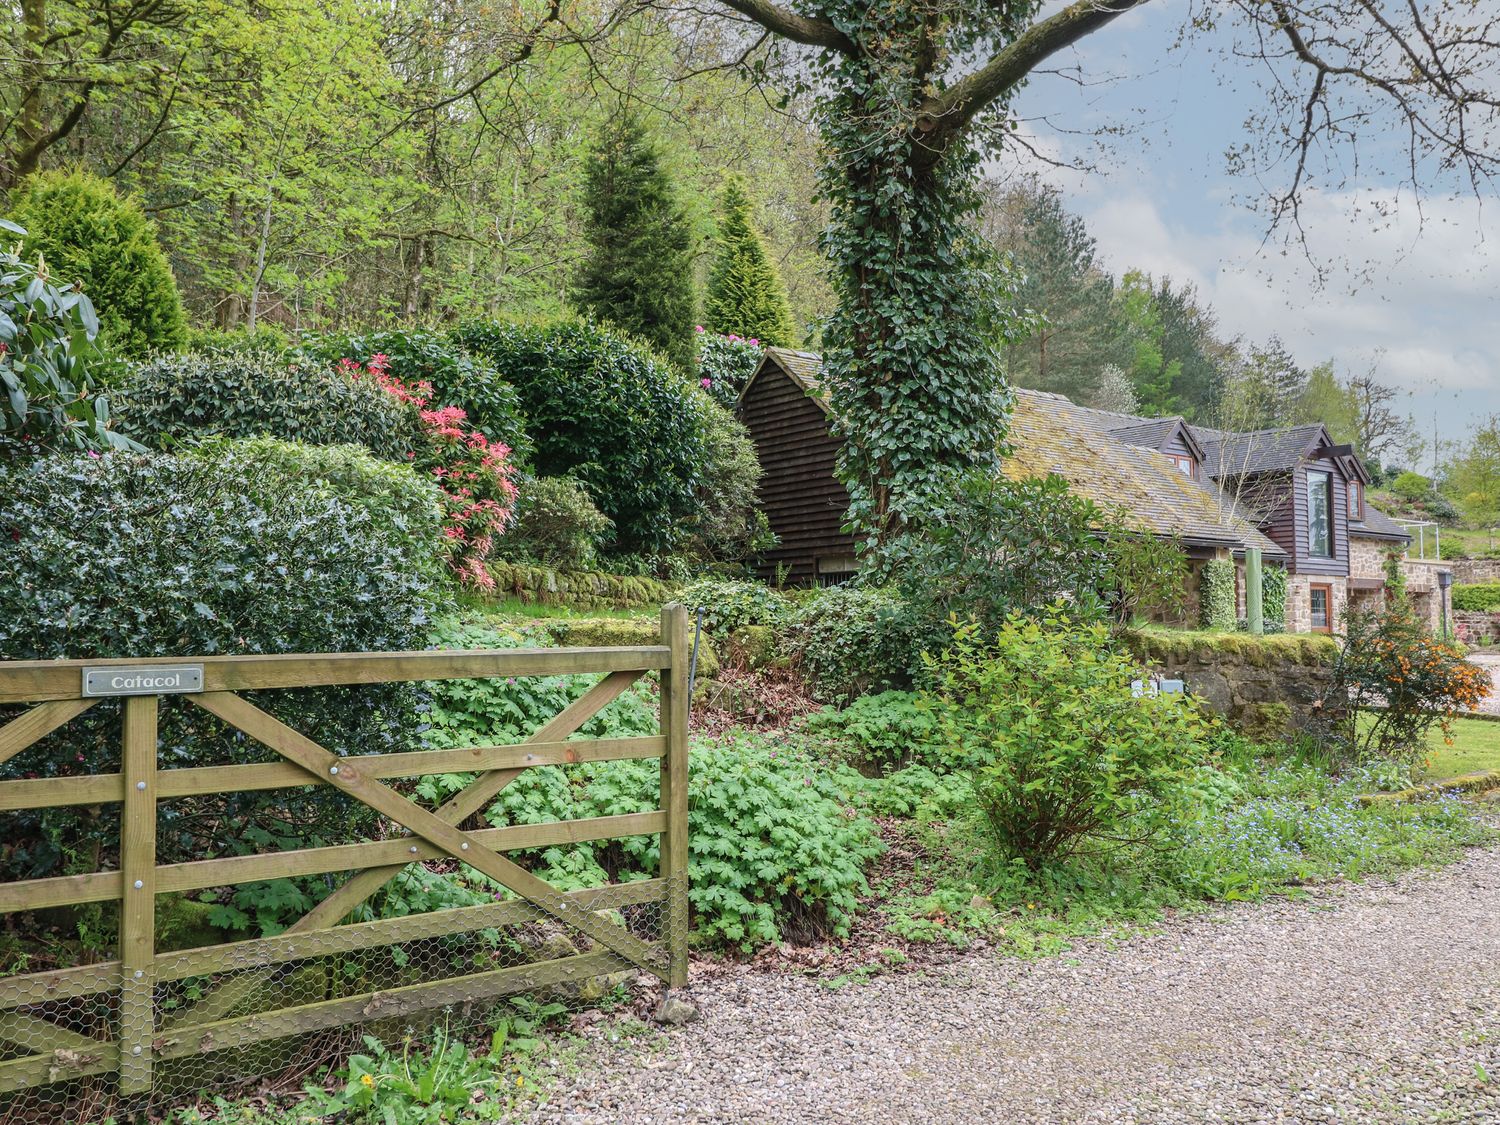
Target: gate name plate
(143,679)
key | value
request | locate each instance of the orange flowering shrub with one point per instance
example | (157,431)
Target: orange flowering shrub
(1405,680)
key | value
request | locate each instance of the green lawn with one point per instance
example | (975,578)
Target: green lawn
(1476,746)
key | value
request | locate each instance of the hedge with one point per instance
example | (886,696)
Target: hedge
(1477,597)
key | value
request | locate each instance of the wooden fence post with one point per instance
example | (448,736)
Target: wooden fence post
(138,904)
(675,703)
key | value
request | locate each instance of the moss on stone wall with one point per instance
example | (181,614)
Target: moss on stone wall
(586,589)
(1182,646)
(611,632)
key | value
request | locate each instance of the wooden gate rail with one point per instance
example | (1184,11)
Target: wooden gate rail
(56,688)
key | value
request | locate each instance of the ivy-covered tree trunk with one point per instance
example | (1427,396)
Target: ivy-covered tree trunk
(913,353)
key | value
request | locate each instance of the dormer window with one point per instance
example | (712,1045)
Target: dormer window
(1356,500)
(1186,465)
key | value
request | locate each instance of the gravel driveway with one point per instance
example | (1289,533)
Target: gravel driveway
(1370,1003)
(1490,662)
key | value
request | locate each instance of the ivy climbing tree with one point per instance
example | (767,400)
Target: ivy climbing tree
(912,93)
(746,297)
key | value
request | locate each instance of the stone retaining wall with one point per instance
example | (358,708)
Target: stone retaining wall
(1267,687)
(1467,572)
(1477,630)
(585,589)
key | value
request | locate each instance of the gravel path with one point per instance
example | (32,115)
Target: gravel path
(1370,1003)
(1490,662)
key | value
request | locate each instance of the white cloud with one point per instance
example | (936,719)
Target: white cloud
(1417,293)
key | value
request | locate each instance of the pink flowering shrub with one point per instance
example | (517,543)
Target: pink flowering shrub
(477,475)
(725,364)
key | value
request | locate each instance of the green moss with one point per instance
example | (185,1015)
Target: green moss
(612,632)
(1264,722)
(1163,646)
(757,646)
(586,589)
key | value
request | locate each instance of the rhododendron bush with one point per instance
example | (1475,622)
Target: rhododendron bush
(477,475)
(725,364)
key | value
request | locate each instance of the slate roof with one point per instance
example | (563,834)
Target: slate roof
(1377,525)
(1255,451)
(1149,432)
(1051,434)
(805,368)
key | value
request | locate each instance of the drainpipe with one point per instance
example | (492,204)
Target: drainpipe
(1255,617)
(1445,583)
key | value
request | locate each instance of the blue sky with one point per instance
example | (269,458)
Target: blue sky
(1415,297)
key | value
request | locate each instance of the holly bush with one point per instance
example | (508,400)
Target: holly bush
(249,394)
(148,555)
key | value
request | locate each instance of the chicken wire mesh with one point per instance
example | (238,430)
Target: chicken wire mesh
(90,1032)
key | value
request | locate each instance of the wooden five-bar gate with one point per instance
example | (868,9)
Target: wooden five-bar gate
(46,1046)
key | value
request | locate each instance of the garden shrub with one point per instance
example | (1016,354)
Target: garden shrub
(853,640)
(725,365)
(416,355)
(729,605)
(1069,756)
(476,476)
(1217,597)
(887,731)
(774,853)
(249,394)
(1411,486)
(50,364)
(728,525)
(93,238)
(556,524)
(605,411)
(147,555)
(1394,681)
(404,507)
(1476,597)
(1005,546)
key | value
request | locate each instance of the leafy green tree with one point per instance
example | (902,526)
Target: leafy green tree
(638,273)
(91,236)
(745,294)
(1191,344)
(1155,376)
(1473,479)
(1266,391)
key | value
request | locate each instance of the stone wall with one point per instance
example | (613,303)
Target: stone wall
(1477,630)
(585,589)
(1267,687)
(1470,571)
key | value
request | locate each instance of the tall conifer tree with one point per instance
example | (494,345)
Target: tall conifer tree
(638,274)
(746,296)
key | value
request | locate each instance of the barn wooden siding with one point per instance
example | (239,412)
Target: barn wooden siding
(803,500)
